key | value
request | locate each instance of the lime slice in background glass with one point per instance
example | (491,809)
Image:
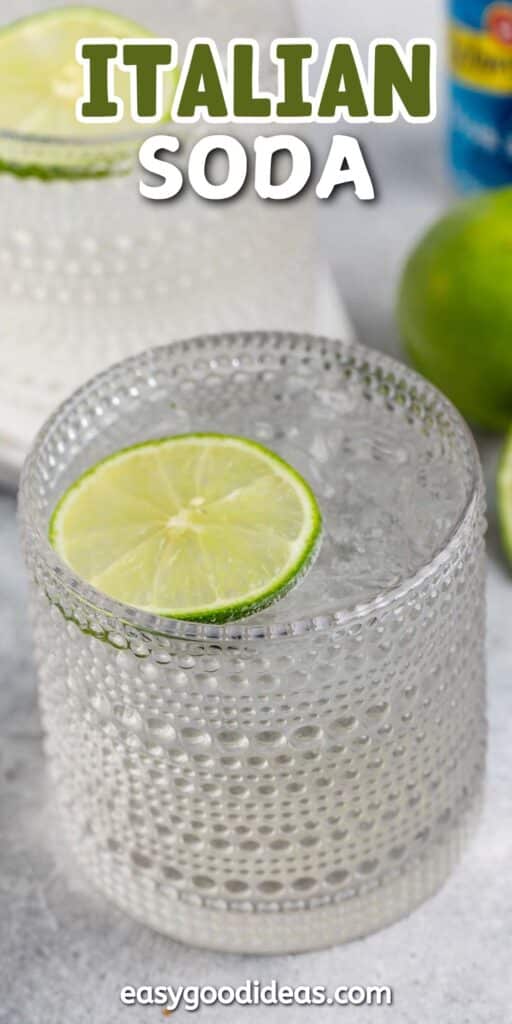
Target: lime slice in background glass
(200,526)
(504,496)
(40,82)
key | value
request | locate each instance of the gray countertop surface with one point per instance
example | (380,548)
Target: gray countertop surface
(65,953)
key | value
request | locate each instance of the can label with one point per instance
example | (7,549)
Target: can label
(480,59)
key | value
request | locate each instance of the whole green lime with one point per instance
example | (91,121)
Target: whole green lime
(455,308)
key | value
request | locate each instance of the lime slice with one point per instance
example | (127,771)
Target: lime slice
(504,496)
(41,80)
(199,526)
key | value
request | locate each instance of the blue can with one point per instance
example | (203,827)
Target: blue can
(480,57)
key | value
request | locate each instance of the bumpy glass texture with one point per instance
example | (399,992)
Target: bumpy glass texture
(310,773)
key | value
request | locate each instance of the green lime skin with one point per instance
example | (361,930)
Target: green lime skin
(454,308)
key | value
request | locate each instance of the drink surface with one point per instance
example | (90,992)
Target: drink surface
(390,486)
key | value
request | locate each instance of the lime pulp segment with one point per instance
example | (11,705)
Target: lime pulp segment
(199,526)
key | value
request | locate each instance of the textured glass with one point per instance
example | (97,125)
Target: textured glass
(308,774)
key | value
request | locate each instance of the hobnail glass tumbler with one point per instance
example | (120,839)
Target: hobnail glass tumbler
(309,774)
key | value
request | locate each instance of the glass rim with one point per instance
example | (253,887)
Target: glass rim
(241,630)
